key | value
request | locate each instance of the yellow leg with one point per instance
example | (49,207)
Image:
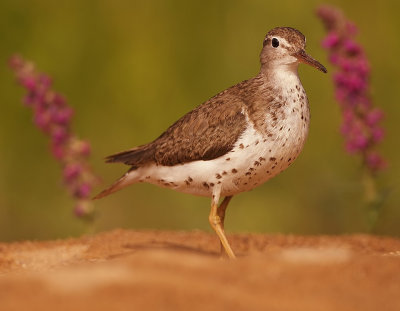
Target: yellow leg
(221,213)
(216,219)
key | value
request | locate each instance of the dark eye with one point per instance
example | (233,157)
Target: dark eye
(275,42)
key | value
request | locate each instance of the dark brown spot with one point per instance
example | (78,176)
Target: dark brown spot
(162,180)
(261,159)
(212,184)
(281,128)
(206,185)
(256,163)
(228,159)
(257,142)
(290,159)
(272,167)
(272,159)
(218,176)
(187,182)
(234,171)
(224,173)
(190,179)
(281,158)
(248,173)
(218,182)
(251,169)
(241,146)
(269,135)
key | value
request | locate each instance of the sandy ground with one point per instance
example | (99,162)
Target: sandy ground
(150,270)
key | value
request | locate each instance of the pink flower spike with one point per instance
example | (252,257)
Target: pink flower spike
(59,135)
(374,116)
(62,116)
(351,28)
(83,208)
(351,47)
(28,82)
(71,172)
(83,191)
(59,100)
(360,141)
(79,210)
(331,40)
(350,147)
(52,116)
(41,120)
(29,99)
(45,81)
(57,151)
(378,134)
(360,120)
(334,59)
(375,162)
(84,148)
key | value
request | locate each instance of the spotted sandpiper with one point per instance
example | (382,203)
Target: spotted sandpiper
(235,141)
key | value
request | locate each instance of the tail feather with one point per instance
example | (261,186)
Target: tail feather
(129,178)
(134,156)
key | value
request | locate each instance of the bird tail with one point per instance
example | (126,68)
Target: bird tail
(136,156)
(129,178)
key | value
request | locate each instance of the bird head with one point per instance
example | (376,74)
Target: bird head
(285,47)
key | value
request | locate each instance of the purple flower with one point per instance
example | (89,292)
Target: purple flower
(72,172)
(53,116)
(331,40)
(375,161)
(83,190)
(59,135)
(373,117)
(360,126)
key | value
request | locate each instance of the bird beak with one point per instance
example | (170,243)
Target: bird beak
(303,57)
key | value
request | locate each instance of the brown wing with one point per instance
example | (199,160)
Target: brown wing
(205,133)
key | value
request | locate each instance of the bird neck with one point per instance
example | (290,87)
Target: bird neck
(280,75)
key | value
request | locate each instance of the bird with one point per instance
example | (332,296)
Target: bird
(236,140)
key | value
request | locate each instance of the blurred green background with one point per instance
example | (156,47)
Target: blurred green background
(131,68)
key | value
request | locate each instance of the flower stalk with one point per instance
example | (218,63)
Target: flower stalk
(361,120)
(53,116)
